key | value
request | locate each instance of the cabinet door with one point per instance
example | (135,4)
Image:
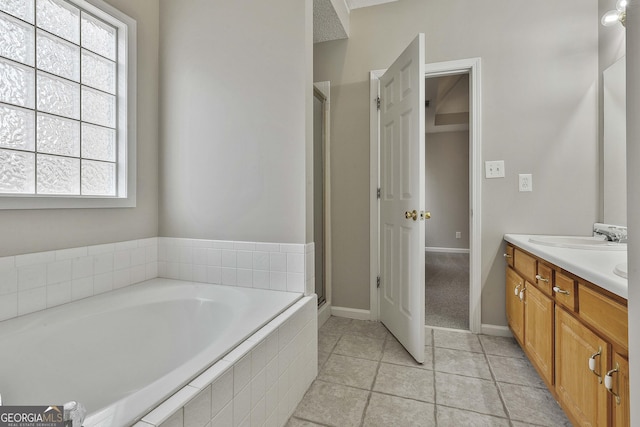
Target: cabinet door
(581,394)
(515,307)
(538,331)
(622,407)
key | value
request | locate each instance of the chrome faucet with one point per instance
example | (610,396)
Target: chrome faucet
(74,412)
(611,233)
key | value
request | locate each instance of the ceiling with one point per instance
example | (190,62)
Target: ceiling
(327,23)
(448,109)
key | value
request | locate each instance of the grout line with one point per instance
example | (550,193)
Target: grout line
(495,383)
(479,413)
(375,378)
(433,369)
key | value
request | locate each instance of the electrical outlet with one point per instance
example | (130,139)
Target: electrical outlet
(494,169)
(525,182)
(458,235)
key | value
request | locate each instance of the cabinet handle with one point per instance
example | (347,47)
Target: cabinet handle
(516,290)
(608,382)
(508,256)
(559,290)
(541,279)
(522,293)
(592,364)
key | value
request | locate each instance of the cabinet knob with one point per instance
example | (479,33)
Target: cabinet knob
(608,382)
(559,290)
(508,256)
(592,364)
(541,279)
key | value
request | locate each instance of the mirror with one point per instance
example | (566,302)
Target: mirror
(615,150)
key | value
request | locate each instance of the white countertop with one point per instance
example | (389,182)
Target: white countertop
(595,266)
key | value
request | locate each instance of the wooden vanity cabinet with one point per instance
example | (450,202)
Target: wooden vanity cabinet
(561,322)
(515,307)
(621,407)
(530,316)
(538,331)
(579,390)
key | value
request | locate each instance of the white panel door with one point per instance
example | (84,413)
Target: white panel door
(402,174)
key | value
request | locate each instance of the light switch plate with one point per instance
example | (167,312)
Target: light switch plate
(494,169)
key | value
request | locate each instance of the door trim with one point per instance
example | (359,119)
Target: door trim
(471,66)
(325,89)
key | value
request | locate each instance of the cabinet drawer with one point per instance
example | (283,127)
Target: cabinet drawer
(605,315)
(565,291)
(508,255)
(544,278)
(525,265)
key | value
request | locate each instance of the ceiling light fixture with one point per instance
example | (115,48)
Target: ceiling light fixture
(618,15)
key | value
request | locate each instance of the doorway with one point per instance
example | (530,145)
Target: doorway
(471,67)
(447,262)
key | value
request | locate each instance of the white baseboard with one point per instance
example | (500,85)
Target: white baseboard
(351,313)
(496,330)
(446,250)
(324,313)
(428,328)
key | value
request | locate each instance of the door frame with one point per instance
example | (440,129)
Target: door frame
(471,66)
(324,311)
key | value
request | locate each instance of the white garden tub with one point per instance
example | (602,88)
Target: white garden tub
(126,351)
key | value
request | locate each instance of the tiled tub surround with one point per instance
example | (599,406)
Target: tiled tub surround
(37,281)
(275,266)
(259,383)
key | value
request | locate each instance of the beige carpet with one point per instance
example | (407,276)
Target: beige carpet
(447,290)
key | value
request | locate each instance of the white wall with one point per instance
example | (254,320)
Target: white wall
(25,231)
(540,74)
(447,189)
(236,93)
(633,199)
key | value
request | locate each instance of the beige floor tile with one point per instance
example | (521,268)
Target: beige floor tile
(468,393)
(336,325)
(349,371)
(501,346)
(395,353)
(428,336)
(540,408)
(515,371)
(404,381)
(519,424)
(297,422)
(451,417)
(332,404)
(368,329)
(462,362)
(322,358)
(327,340)
(385,411)
(457,340)
(362,347)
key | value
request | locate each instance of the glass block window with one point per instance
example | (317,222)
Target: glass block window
(60,74)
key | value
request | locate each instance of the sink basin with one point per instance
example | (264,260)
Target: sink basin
(579,242)
(621,270)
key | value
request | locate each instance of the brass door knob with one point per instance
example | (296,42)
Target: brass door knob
(411,214)
(427,215)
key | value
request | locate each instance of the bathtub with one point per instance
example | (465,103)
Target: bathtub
(123,353)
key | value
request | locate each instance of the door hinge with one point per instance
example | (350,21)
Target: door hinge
(378,282)
(378,102)
(379,192)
